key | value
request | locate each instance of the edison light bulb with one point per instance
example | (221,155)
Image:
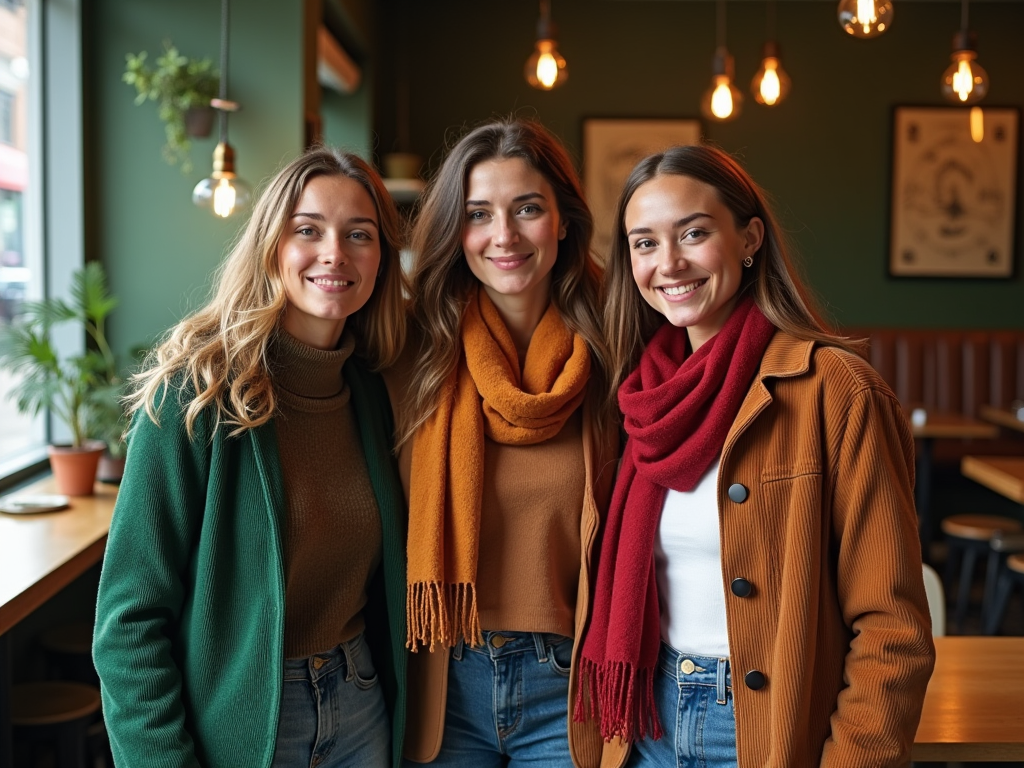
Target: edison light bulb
(546,68)
(222,191)
(964,81)
(865,18)
(977,125)
(723,100)
(771,83)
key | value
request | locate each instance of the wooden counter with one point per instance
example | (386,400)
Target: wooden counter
(974,707)
(1002,474)
(43,553)
(1004,417)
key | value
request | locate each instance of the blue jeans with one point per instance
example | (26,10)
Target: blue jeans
(332,712)
(693,695)
(507,702)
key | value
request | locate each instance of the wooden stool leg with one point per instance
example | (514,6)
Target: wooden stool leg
(963,597)
(1002,596)
(954,555)
(71,746)
(995,559)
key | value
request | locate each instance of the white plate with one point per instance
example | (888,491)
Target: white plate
(28,504)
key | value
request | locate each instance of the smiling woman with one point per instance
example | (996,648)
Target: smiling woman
(254,574)
(507,451)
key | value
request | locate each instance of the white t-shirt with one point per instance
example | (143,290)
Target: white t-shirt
(688,566)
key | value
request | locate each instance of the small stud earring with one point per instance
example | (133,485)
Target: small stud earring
(748,262)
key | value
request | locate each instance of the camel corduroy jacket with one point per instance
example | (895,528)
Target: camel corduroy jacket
(820,462)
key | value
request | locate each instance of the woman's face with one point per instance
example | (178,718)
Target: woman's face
(328,255)
(511,230)
(687,252)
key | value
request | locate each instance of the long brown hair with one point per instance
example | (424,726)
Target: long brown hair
(773,279)
(221,348)
(441,278)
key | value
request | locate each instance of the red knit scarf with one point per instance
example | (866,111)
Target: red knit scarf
(678,408)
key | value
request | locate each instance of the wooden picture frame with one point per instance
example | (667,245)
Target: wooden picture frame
(954,198)
(611,147)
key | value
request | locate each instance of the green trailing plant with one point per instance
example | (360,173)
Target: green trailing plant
(177,84)
(83,391)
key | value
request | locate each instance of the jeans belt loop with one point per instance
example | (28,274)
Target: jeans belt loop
(350,667)
(539,644)
(722,666)
(457,650)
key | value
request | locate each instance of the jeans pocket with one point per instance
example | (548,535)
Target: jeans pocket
(560,656)
(362,672)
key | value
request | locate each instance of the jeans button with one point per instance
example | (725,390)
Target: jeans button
(318,661)
(687,666)
(498,640)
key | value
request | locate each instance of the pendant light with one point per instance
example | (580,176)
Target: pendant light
(222,191)
(771,83)
(865,18)
(546,68)
(723,100)
(964,81)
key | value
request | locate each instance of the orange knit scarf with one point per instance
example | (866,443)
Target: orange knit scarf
(485,395)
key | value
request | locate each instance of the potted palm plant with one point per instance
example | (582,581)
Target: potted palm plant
(183,87)
(77,389)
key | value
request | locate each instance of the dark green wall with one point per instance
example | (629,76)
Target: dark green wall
(159,249)
(824,154)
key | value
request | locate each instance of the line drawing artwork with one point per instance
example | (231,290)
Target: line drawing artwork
(611,147)
(953,197)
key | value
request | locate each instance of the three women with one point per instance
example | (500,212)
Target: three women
(762,525)
(251,606)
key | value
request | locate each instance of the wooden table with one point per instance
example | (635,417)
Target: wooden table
(974,707)
(1002,474)
(1004,417)
(40,555)
(939,425)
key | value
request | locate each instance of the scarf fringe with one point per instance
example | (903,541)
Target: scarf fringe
(608,692)
(441,614)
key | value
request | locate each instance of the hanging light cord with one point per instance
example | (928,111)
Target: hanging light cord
(223,90)
(721,23)
(963,15)
(771,19)
(545,10)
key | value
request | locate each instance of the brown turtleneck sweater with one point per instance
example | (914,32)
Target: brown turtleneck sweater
(331,527)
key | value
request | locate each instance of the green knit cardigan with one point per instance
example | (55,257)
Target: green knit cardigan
(190,615)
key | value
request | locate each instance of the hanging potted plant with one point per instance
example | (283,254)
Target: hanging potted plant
(76,389)
(183,88)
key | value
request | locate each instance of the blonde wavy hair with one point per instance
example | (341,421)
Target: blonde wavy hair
(218,355)
(441,278)
(773,279)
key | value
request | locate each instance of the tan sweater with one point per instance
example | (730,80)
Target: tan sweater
(530,533)
(331,527)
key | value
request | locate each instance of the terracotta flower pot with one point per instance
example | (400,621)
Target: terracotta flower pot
(74,469)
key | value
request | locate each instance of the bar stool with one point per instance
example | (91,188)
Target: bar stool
(68,649)
(1012,573)
(56,712)
(969,536)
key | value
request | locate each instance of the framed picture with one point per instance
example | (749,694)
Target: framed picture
(954,191)
(611,147)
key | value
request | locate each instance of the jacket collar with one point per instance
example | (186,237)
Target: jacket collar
(785,356)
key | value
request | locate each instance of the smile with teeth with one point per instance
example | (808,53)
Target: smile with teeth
(326,281)
(679,290)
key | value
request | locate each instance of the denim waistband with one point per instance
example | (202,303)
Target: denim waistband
(689,669)
(506,643)
(321,664)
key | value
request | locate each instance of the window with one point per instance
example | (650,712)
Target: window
(20,260)
(40,70)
